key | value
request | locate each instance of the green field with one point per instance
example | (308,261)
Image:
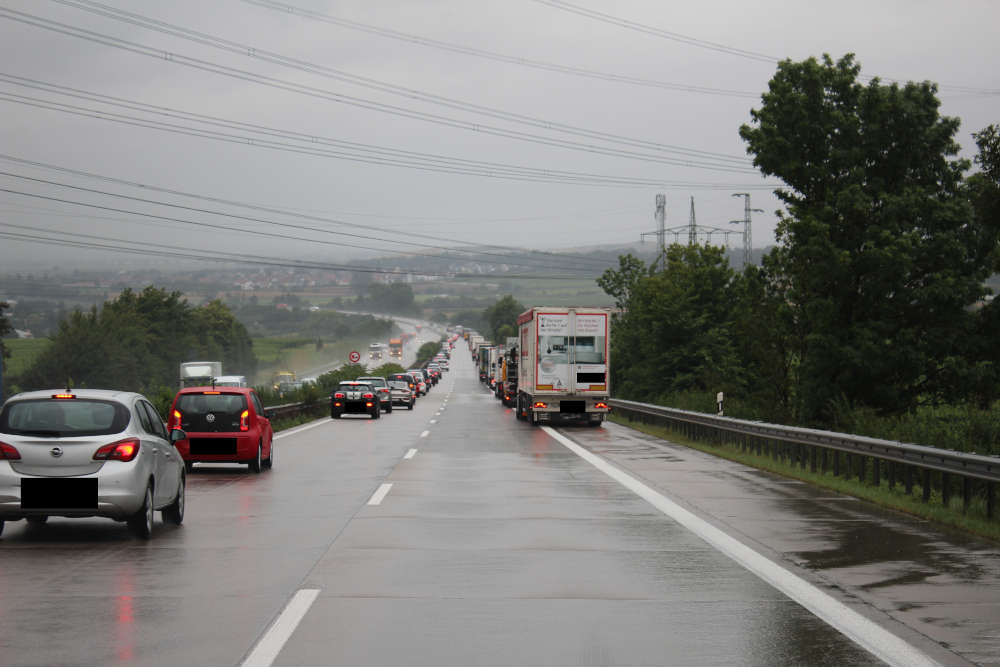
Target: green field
(296,354)
(23,351)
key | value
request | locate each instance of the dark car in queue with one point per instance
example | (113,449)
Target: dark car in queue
(86,453)
(402,394)
(223,425)
(352,397)
(381,387)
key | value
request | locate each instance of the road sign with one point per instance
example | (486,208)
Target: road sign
(355,357)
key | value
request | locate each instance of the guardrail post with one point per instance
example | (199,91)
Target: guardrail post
(991,502)
(862,468)
(966,494)
(945,489)
(890,469)
(877,471)
(836,463)
(822,459)
(927,485)
(812,459)
(909,480)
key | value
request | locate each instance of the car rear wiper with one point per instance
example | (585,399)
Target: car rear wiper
(44,434)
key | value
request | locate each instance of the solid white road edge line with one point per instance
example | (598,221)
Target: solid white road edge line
(869,635)
(379,494)
(299,429)
(267,649)
(410,454)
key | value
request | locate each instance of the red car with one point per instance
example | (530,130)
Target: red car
(223,425)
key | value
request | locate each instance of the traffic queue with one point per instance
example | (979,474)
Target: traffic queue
(105,453)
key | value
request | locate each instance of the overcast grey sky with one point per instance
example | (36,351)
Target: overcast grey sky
(674,106)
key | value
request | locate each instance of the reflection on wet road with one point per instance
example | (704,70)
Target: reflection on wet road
(494,545)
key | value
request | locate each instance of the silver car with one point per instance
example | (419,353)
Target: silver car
(88,452)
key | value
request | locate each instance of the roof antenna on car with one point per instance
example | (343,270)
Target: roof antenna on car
(69,385)
(213,383)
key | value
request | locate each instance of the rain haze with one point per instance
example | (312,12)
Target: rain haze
(411,125)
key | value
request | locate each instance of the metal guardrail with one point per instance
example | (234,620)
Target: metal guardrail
(896,460)
(293,409)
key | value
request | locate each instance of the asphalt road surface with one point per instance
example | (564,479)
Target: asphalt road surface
(496,544)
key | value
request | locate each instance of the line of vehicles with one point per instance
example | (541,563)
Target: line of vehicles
(106,453)
(556,370)
(374,396)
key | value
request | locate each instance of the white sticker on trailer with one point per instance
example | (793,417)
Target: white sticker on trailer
(551,324)
(591,325)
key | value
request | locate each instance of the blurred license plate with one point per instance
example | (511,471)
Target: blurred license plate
(39,494)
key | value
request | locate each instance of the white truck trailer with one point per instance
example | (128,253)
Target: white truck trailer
(562,371)
(199,373)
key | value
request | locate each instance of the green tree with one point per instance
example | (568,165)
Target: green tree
(674,332)
(5,328)
(620,283)
(503,312)
(878,254)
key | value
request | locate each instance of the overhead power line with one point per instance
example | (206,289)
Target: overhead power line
(705,159)
(165,251)
(498,57)
(471,255)
(314,144)
(717,47)
(475,249)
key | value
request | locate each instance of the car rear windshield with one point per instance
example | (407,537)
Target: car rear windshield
(202,404)
(399,384)
(60,418)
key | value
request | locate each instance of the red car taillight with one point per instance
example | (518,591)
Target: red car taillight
(369,395)
(8,452)
(123,450)
(245,421)
(175,420)
(339,395)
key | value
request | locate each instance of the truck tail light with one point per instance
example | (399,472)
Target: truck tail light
(9,452)
(245,421)
(601,406)
(540,404)
(123,450)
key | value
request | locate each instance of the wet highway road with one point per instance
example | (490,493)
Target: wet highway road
(494,545)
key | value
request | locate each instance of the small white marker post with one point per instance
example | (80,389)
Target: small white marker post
(718,399)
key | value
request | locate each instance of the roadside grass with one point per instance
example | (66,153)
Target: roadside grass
(299,354)
(974,521)
(23,351)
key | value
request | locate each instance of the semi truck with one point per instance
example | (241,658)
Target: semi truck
(563,364)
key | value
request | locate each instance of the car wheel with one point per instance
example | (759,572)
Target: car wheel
(410,406)
(141,522)
(389,409)
(1,526)
(255,465)
(334,415)
(269,461)
(188,466)
(174,512)
(377,413)
(36,520)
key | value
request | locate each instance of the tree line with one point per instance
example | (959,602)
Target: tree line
(874,297)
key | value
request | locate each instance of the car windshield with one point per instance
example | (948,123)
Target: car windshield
(55,418)
(202,404)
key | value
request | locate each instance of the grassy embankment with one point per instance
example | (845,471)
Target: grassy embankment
(23,351)
(974,521)
(297,354)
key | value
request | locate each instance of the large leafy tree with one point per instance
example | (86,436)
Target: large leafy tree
(137,341)
(879,253)
(674,333)
(502,317)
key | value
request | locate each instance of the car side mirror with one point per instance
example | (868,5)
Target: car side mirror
(177,435)
(268,414)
